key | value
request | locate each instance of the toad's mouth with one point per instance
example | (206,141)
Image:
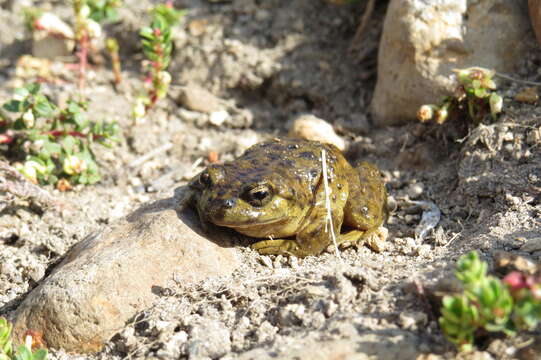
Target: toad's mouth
(253,223)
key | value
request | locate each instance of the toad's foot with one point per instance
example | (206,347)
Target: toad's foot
(277,247)
(373,238)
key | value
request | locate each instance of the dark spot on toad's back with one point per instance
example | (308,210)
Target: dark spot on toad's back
(307,155)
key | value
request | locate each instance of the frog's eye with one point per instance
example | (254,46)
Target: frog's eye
(205,180)
(259,195)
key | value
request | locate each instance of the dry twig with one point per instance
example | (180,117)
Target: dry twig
(519,81)
(153,153)
(328,217)
(368,11)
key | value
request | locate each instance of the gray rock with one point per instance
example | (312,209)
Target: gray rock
(109,277)
(196,98)
(532,245)
(397,345)
(424,40)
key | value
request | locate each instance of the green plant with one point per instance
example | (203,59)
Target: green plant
(54,143)
(31,15)
(103,10)
(85,29)
(474,97)
(112,48)
(24,352)
(157,46)
(489,303)
(88,15)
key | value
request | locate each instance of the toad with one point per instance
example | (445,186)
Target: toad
(276,191)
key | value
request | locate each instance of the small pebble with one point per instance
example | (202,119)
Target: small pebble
(376,241)
(173,347)
(311,127)
(217,118)
(37,272)
(265,260)
(534,136)
(392,204)
(291,314)
(135,181)
(424,250)
(213,157)
(414,190)
(527,95)
(411,320)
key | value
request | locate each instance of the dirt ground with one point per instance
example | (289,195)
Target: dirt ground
(273,60)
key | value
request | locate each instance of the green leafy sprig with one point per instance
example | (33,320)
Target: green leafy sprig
(103,10)
(54,143)
(475,96)
(157,47)
(488,303)
(24,352)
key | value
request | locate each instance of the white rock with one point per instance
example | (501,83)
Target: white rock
(54,39)
(247,139)
(424,40)
(217,118)
(311,127)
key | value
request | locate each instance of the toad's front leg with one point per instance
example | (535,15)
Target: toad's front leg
(278,247)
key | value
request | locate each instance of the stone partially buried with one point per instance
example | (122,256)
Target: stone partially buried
(424,40)
(109,277)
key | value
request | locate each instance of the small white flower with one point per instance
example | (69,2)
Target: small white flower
(441,115)
(73,165)
(30,169)
(29,172)
(28,342)
(165,77)
(36,165)
(425,113)
(496,103)
(28,118)
(139,109)
(94,29)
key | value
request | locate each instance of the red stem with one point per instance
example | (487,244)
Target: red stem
(57,133)
(82,54)
(6,139)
